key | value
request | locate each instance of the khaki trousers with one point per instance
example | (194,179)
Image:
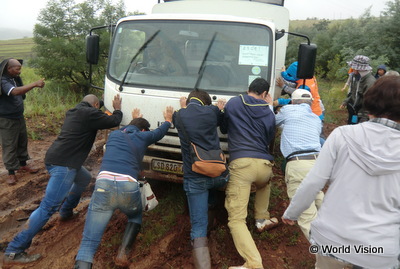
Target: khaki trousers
(243,173)
(295,172)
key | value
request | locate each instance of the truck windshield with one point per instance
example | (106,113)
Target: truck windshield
(240,53)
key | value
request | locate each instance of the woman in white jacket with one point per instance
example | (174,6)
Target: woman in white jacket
(359,221)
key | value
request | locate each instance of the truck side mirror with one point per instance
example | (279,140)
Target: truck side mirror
(92,49)
(306,61)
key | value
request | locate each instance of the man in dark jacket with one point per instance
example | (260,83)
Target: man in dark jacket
(68,178)
(250,125)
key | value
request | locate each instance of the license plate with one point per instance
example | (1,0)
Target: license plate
(167,167)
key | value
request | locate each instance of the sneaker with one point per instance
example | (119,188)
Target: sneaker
(266,224)
(22,257)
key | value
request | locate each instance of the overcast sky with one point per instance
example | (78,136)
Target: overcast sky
(22,14)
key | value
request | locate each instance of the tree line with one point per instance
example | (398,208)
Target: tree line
(338,41)
(63,25)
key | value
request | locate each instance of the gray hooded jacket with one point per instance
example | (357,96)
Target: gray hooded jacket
(361,208)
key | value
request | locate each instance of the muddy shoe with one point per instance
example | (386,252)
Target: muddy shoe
(122,260)
(23,257)
(28,169)
(266,224)
(12,179)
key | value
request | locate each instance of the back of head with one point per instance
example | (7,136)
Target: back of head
(382,100)
(392,73)
(258,86)
(300,96)
(91,99)
(141,123)
(203,96)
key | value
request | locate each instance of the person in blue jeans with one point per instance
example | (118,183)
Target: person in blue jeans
(200,120)
(68,178)
(117,187)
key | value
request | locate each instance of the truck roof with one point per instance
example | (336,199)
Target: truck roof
(277,14)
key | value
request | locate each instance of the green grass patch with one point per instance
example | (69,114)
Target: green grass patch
(332,97)
(45,107)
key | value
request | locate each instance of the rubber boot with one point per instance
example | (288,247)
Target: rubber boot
(201,254)
(82,265)
(131,231)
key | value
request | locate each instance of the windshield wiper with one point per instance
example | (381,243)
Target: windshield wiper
(134,57)
(202,67)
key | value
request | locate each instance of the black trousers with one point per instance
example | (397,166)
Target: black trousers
(14,141)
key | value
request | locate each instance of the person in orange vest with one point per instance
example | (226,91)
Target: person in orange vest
(289,83)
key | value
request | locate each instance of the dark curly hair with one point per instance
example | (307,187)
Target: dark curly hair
(258,86)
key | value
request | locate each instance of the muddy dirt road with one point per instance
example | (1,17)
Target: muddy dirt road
(58,242)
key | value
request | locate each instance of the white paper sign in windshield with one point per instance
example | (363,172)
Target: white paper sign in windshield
(253,55)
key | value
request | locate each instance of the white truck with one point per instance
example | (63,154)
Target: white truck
(155,59)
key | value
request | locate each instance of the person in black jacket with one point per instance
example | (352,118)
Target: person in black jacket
(68,178)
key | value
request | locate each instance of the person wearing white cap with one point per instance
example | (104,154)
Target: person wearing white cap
(300,146)
(361,81)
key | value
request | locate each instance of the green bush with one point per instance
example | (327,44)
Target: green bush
(45,107)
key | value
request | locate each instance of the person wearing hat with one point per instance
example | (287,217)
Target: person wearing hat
(290,82)
(381,71)
(361,81)
(300,145)
(14,137)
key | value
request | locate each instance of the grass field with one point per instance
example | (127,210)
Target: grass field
(16,48)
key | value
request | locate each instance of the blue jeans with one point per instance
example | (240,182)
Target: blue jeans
(108,195)
(199,195)
(62,181)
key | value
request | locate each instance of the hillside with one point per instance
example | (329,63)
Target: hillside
(16,48)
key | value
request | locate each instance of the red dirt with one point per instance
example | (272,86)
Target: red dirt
(58,242)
